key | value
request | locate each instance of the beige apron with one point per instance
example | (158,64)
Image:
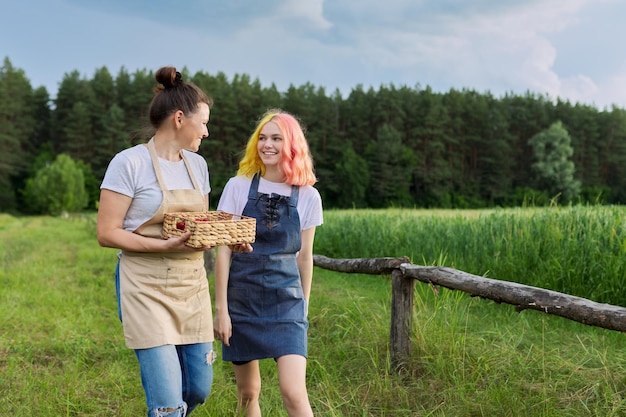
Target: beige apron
(165,296)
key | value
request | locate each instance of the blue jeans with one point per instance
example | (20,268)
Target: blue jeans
(176,377)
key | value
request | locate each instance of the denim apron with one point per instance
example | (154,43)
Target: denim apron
(164,297)
(265,298)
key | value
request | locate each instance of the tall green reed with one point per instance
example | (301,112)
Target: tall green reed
(579,250)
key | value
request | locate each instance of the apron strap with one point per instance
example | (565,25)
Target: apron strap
(293,199)
(155,163)
(193,178)
(254,187)
(157,167)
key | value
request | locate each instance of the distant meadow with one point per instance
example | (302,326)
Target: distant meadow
(579,250)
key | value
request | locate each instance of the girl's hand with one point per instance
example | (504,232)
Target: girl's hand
(222,328)
(243,247)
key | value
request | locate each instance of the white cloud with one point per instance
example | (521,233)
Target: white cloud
(578,88)
(500,51)
(609,91)
(310,10)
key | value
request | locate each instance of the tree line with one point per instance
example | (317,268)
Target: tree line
(395,146)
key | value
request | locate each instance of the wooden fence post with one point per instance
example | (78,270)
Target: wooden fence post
(402,289)
(401,297)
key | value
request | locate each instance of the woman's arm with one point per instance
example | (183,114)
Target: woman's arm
(111,212)
(305,261)
(222,326)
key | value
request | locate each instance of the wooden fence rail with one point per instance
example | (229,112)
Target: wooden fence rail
(404,274)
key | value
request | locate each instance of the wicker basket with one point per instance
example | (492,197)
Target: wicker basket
(210,228)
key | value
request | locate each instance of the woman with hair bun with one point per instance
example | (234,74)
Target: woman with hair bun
(162,287)
(261,297)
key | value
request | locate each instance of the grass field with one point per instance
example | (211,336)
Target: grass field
(62,351)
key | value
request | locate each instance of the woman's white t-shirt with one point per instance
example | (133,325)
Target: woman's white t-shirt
(235,196)
(131,173)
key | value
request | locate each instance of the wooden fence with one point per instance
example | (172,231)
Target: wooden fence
(523,297)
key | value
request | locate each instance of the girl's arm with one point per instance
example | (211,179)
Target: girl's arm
(305,261)
(222,326)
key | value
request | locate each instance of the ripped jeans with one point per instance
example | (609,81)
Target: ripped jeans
(176,377)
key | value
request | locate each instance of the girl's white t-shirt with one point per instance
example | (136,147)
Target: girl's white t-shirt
(235,196)
(131,173)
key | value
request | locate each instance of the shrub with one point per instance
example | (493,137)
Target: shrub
(57,187)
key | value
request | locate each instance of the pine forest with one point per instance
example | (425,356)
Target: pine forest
(393,146)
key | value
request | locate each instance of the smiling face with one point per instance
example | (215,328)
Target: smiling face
(270,145)
(194,128)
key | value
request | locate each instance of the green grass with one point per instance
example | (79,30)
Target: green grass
(62,351)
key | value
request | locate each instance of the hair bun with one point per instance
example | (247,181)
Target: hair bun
(178,79)
(170,78)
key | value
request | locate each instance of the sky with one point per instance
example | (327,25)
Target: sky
(569,49)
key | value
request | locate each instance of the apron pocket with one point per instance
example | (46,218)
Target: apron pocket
(182,283)
(290,303)
(244,303)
